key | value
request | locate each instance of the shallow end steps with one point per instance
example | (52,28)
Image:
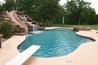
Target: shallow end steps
(22,57)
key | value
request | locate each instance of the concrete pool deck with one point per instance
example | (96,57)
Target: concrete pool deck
(86,54)
(9,49)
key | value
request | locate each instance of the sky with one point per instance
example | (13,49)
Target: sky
(1,0)
(94,4)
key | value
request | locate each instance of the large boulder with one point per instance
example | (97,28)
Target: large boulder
(77,28)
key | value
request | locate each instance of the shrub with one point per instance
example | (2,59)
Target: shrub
(6,29)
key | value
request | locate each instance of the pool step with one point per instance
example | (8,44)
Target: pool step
(22,57)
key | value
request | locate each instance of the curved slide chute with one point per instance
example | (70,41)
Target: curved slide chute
(14,17)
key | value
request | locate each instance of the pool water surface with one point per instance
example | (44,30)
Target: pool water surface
(54,43)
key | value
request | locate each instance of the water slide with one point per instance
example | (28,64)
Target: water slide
(14,17)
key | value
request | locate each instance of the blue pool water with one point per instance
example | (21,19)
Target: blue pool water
(53,43)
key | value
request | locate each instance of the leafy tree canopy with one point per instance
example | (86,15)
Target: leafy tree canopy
(49,11)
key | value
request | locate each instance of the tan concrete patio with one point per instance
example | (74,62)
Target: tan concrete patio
(86,54)
(9,49)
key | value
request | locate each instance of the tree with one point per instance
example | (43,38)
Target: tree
(47,9)
(1,8)
(39,10)
(27,6)
(96,19)
(75,10)
(9,5)
(88,16)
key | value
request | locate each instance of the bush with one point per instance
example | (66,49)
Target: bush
(6,29)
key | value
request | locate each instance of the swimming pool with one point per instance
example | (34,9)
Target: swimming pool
(54,43)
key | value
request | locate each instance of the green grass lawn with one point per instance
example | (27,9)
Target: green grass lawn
(95,27)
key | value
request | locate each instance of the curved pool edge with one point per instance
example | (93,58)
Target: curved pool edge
(81,56)
(82,33)
(63,35)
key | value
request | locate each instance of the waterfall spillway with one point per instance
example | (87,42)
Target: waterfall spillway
(34,26)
